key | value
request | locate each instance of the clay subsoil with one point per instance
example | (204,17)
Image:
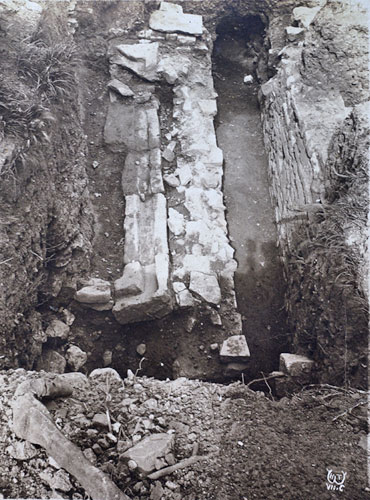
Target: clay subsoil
(251,447)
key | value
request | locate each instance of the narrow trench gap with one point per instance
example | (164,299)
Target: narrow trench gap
(250,215)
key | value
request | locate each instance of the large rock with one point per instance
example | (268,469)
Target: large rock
(234,349)
(96,292)
(57,329)
(141,58)
(76,357)
(205,285)
(147,451)
(171,18)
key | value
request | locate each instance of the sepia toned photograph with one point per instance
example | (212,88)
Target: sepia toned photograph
(184,287)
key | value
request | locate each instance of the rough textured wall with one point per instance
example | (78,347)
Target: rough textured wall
(316,142)
(45,223)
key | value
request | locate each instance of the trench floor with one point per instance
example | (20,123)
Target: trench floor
(250,214)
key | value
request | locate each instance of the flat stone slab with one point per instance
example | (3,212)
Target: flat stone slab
(295,365)
(234,350)
(170,18)
(205,285)
(149,450)
(141,58)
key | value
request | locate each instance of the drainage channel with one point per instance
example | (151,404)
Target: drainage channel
(250,214)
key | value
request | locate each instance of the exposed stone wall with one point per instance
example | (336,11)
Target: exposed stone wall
(315,142)
(45,226)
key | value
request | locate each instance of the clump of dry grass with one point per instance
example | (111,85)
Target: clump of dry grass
(48,66)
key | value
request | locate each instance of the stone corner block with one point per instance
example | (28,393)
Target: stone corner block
(234,349)
(295,365)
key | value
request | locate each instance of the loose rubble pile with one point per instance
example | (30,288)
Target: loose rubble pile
(141,438)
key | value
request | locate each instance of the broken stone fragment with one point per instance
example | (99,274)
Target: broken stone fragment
(293,33)
(56,480)
(121,88)
(51,361)
(168,154)
(295,365)
(234,349)
(171,18)
(186,40)
(206,286)
(172,180)
(76,357)
(100,420)
(57,329)
(176,222)
(131,282)
(22,450)
(96,292)
(184,299)
(146,452)
(305,15)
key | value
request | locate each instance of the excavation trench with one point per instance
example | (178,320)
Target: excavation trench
(179,344)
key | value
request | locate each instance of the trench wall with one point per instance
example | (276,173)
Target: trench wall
(45,223)
(314,114)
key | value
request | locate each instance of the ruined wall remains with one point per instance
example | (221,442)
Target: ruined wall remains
(315,133)
(45,225)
